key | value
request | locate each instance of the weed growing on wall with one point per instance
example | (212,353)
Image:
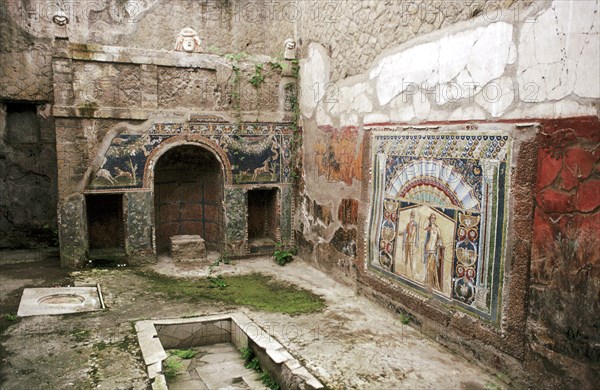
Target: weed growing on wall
(247,354)
(268,381)
(291,90)
(404,319)
(234,59)
(251,362)
(276,65)
(258,77)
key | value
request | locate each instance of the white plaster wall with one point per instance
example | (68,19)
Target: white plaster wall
(540,66)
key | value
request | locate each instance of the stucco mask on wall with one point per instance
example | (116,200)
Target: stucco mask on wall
(188,41)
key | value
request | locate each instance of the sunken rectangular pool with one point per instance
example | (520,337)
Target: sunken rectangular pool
(206,353)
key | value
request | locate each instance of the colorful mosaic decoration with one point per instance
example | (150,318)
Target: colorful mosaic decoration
(257,152)
(438,217)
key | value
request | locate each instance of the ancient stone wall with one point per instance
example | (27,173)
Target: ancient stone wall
(119,109)
(27,152)
(428,112)
(27,33)
(27,176)
(26,68)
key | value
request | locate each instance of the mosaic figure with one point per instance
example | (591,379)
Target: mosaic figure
(434,254)
(188,41)
(411,239)
(105,174)
(265,168)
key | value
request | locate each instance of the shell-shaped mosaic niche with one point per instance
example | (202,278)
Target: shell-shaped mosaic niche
(432,181)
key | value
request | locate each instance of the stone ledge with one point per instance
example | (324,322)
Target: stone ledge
(92,112)
(104,53)
(16,256)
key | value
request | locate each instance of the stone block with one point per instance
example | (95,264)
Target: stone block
(188,248)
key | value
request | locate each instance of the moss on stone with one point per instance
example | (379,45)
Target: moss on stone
(88,109)
(255,290)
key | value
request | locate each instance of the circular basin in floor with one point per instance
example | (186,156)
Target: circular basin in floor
(61,299)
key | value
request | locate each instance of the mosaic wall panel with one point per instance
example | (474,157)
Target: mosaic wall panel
(287,200)
(438,217)
(235,200)
(258,152)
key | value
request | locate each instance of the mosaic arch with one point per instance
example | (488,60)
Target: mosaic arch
(438,217)
(252,153)
(174,142)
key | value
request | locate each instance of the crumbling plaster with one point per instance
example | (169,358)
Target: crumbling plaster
(470,71)
(540,67)
(492,67)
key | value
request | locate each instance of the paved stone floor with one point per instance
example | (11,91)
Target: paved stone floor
(352,343)
(216,366)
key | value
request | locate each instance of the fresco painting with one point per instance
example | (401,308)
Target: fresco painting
(438,217)
(257,153)
(339,156)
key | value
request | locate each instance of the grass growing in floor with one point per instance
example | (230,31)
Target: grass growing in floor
(255,290)
(184,353)
(171,367)
(80,335)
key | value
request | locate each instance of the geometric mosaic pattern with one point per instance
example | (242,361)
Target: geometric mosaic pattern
(257,152)
(438,217)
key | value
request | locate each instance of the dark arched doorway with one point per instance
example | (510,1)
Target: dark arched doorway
(188,196)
